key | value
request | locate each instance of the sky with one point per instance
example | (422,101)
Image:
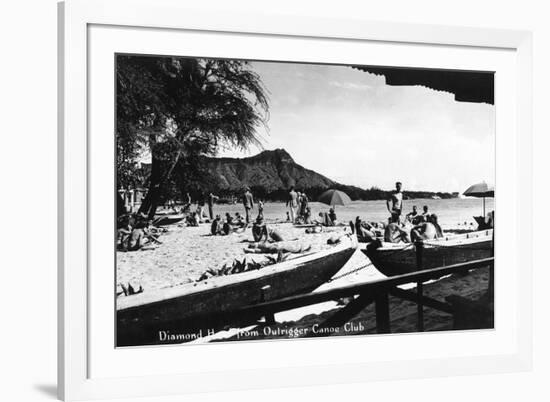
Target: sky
(353,128)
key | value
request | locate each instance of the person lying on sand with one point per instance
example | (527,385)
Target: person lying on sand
(394,233)
(265,248)
(314,229)
(337,239)
(427,230)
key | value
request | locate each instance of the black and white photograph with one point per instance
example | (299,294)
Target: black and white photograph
(274,200)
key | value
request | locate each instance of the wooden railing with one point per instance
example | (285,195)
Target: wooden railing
(376,292)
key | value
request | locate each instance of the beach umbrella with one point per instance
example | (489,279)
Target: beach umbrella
(334,197)
(481,190)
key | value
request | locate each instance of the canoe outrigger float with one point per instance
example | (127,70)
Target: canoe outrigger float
(219,295)
(393,259)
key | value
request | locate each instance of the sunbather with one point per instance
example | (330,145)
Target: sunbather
(363,230)
(412,215)
(216,226)
(332,216)
(427,230)
(325,219)
(267,248)
(315,229)
(394,233)
(261,232)
(123,236)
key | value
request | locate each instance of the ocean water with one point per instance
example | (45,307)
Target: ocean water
(451,212)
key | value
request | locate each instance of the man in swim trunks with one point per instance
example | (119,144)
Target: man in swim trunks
(211,199)
(394,203)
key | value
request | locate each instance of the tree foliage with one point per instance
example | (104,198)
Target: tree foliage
(178,109)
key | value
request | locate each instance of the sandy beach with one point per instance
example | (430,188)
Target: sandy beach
(187,252)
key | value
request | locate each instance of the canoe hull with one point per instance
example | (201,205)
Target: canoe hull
(168,220)
(222,295)
(393,261)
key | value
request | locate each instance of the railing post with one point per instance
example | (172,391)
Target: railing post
(419,287)
(269,317)
(491,289)
(382,310)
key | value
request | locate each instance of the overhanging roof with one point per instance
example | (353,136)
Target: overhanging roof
(467,86)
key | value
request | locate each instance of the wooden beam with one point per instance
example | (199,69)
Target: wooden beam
(426,301)
(371,288)
(382,308)
(419,307)
(345,314)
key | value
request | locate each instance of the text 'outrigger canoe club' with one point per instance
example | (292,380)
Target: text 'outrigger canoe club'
(288,332)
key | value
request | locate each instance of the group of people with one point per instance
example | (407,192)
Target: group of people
(414,227)
(231,224)
(298,207)
(136,231)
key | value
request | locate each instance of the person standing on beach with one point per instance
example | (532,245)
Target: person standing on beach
(292,203)
(248,202)
(187,206)
(304,204)
(200,206)
(260,208)
(395,203)
(211,199)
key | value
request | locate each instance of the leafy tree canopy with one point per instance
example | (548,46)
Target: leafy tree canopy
(179,108)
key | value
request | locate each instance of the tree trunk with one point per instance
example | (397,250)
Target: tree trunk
(156,183)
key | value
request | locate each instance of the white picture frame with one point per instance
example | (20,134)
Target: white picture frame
(76,17)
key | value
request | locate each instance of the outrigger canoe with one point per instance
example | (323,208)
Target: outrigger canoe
(218,295)
(393,259)
(166,220)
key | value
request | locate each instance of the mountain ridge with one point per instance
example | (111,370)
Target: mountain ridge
(272,169)
(270,174)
